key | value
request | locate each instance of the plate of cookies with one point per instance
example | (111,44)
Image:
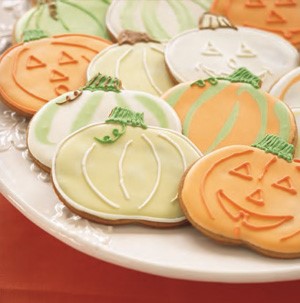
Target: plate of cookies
(158,135)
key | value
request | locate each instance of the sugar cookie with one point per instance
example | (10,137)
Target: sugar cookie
(40,70)
(137,61)
(160,19)
(93,103)
(122,171)
(278,16)
(218,48)
(247,195)
(231,110)
(65,16)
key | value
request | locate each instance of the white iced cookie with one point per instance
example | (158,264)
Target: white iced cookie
(67,113)
(123,171)
(218,48)
(160,19)
(137,61)
(287,88)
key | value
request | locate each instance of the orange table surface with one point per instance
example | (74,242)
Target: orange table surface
(36,267)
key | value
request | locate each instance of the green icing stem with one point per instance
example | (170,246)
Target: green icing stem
(206,96)
(155,109)
(126,16)
(226,129)
(176,94)
(102,29)
(86,113)
(184,18)
(151,23)
(284,120)
(262,104)
(43,125)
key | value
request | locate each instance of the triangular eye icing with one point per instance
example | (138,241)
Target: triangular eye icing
(286,185)
(242,171)
(66,58)
(211,50)
(245,51)
(33,62)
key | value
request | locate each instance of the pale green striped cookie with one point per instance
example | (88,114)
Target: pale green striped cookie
(65,16)
(160,19)
(73,110)
(218,112)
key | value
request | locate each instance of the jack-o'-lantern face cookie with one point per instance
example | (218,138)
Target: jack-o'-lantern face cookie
(123,171)
(56,17)
(278,16)
(217,112)
(287,88)
(40,70)
(160,19)
(137,60)
(218,48)
(247,195)
(90,104)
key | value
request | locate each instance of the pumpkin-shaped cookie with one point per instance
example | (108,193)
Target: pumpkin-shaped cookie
(278,16)
(218,48)
(65,16)
(287,88)
(92,103)
(160,19)
(247,195)
(217,112)
(137,61)
(122,171)
(40,70)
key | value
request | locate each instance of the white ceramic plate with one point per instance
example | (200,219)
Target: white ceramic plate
(178,253)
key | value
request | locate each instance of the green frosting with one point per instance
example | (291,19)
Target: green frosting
(104,83)
(34,34)
(276,146)
(241,75)
(124,117)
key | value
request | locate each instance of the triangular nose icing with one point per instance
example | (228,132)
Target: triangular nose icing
(256,197)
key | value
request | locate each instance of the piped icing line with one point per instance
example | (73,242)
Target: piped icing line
(151,80)
(183,159)
(267,166)
(204,180)
(288,237)
(150,143)
(121,175)
(89,181)
(117,69)
(243,214)
(14,76)
(75,45)
(157,49)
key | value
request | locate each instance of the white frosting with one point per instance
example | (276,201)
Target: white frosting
(66,114)
(288,88)
(165,16)
(263,53)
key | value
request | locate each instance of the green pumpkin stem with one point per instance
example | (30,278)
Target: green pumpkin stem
(33,34)
(241,75)
(276,146)
(105,83)
(124,117)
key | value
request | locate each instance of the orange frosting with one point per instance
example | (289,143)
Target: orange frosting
(38,71)
(277,16)
(246,195)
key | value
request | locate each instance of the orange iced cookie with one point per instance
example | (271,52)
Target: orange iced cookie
(222,111)
(36,71)
(278,16)
(247,195)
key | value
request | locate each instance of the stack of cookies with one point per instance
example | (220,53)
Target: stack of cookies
(166,113)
